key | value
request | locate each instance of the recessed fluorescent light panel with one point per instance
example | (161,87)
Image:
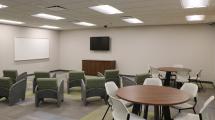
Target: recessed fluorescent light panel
(106,9)
(85,24)
(195,17)
(47,16)
(3,6)
(49,27)
(194,3)
(10,21)
(131,20)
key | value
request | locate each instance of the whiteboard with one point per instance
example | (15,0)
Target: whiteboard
(31,48)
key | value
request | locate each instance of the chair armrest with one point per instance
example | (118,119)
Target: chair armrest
(127,81)
(100,74)
(54,75)
(17,91)
(61,91)
(83,92)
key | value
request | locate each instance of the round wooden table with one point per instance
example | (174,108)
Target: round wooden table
(169,71)
(157,96)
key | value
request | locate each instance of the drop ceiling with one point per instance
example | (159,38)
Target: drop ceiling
(152,12)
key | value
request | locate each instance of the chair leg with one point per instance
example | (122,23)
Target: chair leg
(179,110)
(106,112)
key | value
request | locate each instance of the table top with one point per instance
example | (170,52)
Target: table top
(153,95)
(171,69)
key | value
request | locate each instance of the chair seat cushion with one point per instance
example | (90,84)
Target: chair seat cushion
(6,82)
(12,74)
(97,82)
(187,116)
(42,74)
(47,83)
(183,105)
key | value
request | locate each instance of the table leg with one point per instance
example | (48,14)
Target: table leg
(136,109)
(156,113)
(145,112)
(166,112)
(168,78)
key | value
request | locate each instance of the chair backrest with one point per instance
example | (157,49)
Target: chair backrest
(127,82)
(190,88)
(154,72)
(112,75)
(140,78)
(153,81)
(208,101)
(41,75)
(120,112)
(111,88)
(47,83)
(12,74)
(76,75)
(95,82)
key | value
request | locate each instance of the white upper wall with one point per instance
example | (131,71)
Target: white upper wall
(8,33)
(135,48)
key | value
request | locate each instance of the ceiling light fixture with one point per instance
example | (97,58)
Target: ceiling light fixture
(106,9)
(194,3)
(3,6)
(131,20)
(84,24)
(10,21)
(48,16)
(49,27)
(195,17)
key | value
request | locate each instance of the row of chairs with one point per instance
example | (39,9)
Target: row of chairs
(90,85)
(13,87)
(45,85)
(119,106)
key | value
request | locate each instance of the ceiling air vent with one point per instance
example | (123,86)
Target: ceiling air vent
(56,8)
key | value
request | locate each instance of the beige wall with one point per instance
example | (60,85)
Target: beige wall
(8,33)
(133,48)
(136,48)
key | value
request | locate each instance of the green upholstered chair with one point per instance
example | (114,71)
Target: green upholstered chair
(140,78)
(12,74)
(40,75)
(13,92)
(48,88)
(112,75)
(74,79)
(91,87)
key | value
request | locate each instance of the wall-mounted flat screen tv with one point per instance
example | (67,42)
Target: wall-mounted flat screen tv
(100,43)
